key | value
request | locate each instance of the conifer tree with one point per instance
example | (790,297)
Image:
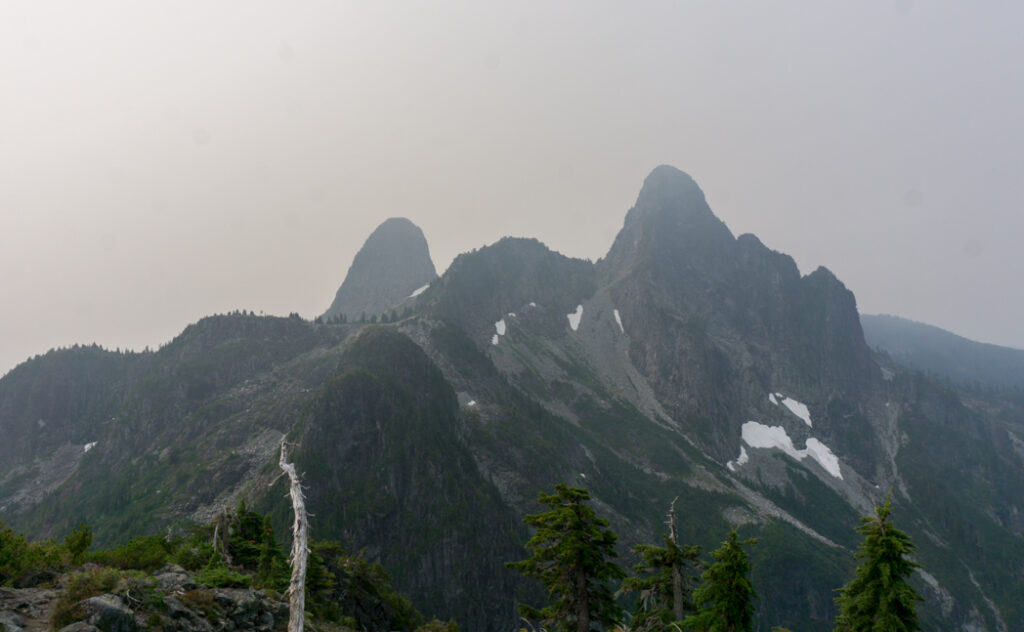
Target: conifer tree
(879,597)
(77,542)
(572,548)
(664,590)
(725,599)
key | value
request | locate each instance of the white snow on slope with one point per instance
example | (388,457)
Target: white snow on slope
(740,460)
(532,304)
(758,435)
(419,291)
(821,453)
(88,446)
(500,328)
(575,317)
(618,319)
(797,408)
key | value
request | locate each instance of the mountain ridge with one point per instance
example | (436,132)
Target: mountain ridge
(638,376)
(932,349)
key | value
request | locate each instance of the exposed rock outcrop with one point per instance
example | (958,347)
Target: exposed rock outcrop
(393,263)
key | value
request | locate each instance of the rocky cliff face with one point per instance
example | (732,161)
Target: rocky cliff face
(726,321)
(688,362)
(392,264)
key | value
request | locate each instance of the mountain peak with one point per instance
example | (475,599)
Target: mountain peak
(667,186)
(670,197)
(393,262)
(671,221)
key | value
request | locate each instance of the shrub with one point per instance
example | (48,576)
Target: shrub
(219,576)
(82,586)
(144,553)
(25,563)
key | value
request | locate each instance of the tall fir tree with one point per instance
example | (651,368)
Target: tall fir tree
(725,600)
(572,551)
(662,582)
(879,597)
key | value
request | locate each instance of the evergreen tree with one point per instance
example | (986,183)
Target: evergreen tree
(664,589)
(655,581)
(879,597)
(77,542)
(571,551)
(273,568)
(725,599)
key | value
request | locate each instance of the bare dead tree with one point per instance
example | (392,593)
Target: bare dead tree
(300,546)
(677,572)
(221,535)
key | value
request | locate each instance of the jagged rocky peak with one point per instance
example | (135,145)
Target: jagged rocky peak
(393,263)
(671,218)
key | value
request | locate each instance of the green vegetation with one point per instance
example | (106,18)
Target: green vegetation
(571,551)
(344,592)
(879,597)
(663,584)
(24,564)
(82,586)
(725,600)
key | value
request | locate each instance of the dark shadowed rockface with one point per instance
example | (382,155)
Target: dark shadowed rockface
(392,264)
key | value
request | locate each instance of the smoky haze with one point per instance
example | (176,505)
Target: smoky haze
(163,161)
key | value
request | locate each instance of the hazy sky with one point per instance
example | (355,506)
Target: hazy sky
(162,161)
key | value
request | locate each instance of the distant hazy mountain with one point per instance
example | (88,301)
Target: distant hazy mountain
(393,263)
(687,363)
(933,350)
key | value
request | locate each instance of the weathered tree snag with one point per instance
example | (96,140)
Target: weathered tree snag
(677,572)
(300,547)
(221,535)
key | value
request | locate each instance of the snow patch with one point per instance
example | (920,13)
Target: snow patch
(471,402)
(419,291)
(797,408)
(824,456)
(501,329)
(618,319)
(532,304)
(89,446)
(512,314)
(740,460)
(575,317)
(758,435)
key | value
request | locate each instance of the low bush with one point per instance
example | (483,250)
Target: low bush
(81,586)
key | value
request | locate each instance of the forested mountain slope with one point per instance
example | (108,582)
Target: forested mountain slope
(945,354)
(687,363)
